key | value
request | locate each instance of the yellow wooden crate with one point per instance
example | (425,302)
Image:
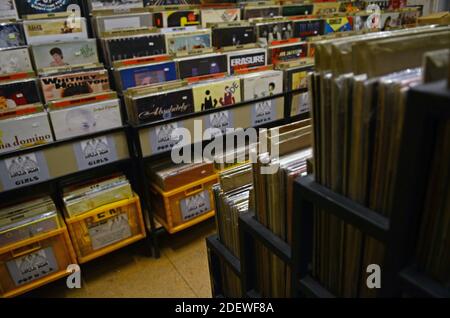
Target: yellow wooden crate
(106,229)
(34,262)
(185,206)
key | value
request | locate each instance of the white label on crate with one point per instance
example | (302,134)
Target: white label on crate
(195,206)
(30,168)
(300,104)
(218,121)
(110,231)
(162,137)
(33,266)
(95,152)
(263,112)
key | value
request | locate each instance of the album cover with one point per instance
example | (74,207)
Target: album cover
(114,4)
(8,10)
(326,8)
(15,61)
(337,24)
(33,7)
(220,16)
(134,46)
(167,19)
(25,131)
(188,41)
(273,31)
(288,52)
(297,78)
(202,65)
(147,74)
(309,27)
(390,20)
(74,84)
(52,30)
(63,54)
(12,35)
(365,22)
(86,119)
(261,12)
(297,9)
(111,23)
(215,94)
(19,93)
(161,106)
(262,84)
(233,36)
(409,18)
(246,59)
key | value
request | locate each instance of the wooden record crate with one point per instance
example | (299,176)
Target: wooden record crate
(35,261)
(185,206)
(106,229)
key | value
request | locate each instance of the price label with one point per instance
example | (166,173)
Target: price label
(95,152)
(27,169)
(263,112)
(163,138)
(216,124)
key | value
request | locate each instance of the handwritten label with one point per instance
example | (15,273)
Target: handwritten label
(263,113)
(216,122)
(30,168)
(162,137)
(95,152)
(195,206)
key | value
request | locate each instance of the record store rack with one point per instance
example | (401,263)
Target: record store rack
(399,275)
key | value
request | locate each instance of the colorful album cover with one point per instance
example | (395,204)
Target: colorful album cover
(220,16)
(168,19)
(352,6)
(128,47)
(30,7)
(246,59)
(115,4)
(12,35)
(187,41)
(409,18)
(307,28)
(276,31)
(74,84)
(147,74)
(65,54)
(8,10)
(52,30)
(233,36)
(289,52)
(265,12)
(390,20)
(298,78)
(15,61)
(326,8)
(202,65)
(297,9)
(86,119)
(217,94)
(14,94)
(117,22)
(262,84)
(337,24)
(163,106)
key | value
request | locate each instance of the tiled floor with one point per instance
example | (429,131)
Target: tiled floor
(182,271)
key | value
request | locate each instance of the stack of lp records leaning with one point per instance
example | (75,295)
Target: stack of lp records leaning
(358,102)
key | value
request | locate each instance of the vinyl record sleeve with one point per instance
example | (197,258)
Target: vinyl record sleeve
(326,8)
(215,94)
(297,9)
(128,47)
(34,7)
(147,74)
(288,52)
(114,5)
(261,12)
(112,23)
(262,84)
(233,36)
(188,41)
(274,31)
(181,18)
(52,30)
(12,35)
(202,65)
(63,54)
(297,78)
(15,61)
(309,27)
(390,20)
(161,106)
(86,119)
(246,59)
(220,15)
(8,10)
(14,94)
(74,84)
(337,24)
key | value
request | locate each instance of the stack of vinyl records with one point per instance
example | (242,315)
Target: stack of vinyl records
(82,198)
(26,220)
(358,110)
(274,174)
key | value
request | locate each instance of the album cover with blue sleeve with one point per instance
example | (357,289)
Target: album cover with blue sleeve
(148,74)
